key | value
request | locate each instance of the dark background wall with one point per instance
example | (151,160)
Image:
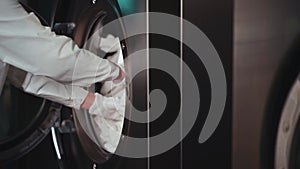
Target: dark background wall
(215,19)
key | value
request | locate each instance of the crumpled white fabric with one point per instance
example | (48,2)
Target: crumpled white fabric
(108,110)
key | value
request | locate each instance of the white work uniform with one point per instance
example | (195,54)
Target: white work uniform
(57,67)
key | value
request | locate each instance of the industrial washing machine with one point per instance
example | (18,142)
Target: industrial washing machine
(31,125)
(258,43)
(47,135)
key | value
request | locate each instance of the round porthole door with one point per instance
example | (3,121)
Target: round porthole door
(89,138)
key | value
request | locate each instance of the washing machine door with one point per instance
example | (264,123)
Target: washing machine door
(98,140)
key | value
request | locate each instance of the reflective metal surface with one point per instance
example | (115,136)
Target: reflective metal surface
(285,150)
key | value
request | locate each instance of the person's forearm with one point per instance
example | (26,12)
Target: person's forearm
(41,86)
(57,58)
(26,44)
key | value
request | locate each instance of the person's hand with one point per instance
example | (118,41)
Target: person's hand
(121,76)
(88,101)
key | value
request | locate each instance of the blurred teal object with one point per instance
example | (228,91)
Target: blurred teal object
(131,6)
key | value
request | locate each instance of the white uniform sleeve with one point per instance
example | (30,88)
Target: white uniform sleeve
(26,44)
(68,95)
